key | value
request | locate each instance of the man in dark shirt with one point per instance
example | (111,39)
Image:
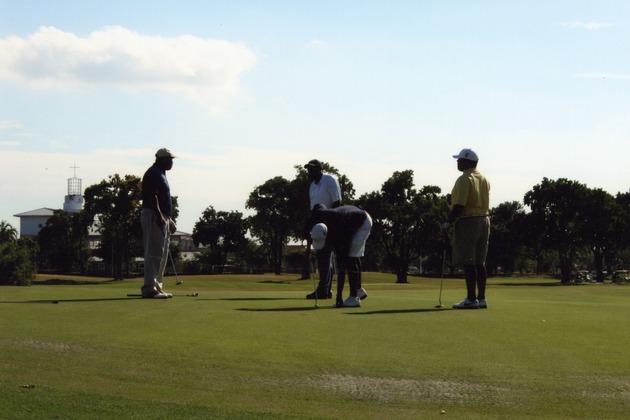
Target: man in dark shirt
(346,229)
(157,225)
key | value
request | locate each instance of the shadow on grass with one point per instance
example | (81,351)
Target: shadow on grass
(536,284)
(71,300)
(399,311)
(276,282)
(294,309)
(69,282)
(251,299)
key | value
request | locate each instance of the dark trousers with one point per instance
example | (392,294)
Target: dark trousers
(325,268)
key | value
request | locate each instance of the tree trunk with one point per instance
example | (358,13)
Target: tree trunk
(401,276)
(598,257)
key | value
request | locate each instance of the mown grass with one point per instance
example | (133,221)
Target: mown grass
(253,347)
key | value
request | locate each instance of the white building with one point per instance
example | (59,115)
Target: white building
(31,222)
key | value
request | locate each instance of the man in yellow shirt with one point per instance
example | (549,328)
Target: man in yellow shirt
(471,227)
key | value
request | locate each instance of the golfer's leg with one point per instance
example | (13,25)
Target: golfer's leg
(354,276)
(341,279)
(153,239)
(482,276)
(163,260)
(470,271)
(324,262)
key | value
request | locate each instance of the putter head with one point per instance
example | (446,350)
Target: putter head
(439,306)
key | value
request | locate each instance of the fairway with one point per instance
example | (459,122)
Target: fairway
(253,347)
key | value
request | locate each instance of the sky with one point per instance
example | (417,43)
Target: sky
(242,91)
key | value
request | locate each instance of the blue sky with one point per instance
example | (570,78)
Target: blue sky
(242,91)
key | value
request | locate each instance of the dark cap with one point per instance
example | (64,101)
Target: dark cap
(313,164)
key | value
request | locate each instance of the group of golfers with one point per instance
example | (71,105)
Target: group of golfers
(334,230)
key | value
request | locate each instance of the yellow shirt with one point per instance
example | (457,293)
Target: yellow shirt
(472,190)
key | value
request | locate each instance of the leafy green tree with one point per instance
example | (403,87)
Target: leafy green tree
(406,222)
(222,232)
(559,217)
(507,244)
(63,242)
(271,222)
(114,205)
(603,218)
(17,262)
(7,232)
(620,233)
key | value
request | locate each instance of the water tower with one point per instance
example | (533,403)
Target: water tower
(73,202)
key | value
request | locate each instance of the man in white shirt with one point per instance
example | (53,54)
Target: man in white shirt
(325,190)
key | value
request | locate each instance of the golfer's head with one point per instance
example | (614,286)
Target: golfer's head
(466,159)
(318,235)
(164,158)
(314,168)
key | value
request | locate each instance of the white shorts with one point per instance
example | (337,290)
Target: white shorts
(357,245)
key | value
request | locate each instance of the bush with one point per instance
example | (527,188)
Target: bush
(17,267)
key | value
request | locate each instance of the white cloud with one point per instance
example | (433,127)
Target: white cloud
(316,43)
(206,70)
(591,26)
(610,76)
(7,125)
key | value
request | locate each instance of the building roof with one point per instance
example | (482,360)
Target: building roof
(43,212)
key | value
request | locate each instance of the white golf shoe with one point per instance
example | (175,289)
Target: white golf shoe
(351,302)
(362,294)
(467,304)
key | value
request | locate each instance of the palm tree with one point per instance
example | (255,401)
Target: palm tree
(7,232)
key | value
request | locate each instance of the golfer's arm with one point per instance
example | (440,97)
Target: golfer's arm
(158,210)
(457,211)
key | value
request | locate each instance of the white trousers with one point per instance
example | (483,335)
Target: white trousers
(155,250)
(357,245)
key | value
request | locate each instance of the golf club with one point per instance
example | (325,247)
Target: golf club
(178,281)
(194,294)
(439,305)
(310,272)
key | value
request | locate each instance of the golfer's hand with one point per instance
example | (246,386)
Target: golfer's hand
(172,226)
(162,223)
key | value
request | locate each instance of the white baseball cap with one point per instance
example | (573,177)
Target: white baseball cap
(318,234)
(164,153)
(467,154)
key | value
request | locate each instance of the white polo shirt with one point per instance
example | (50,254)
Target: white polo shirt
(325,192)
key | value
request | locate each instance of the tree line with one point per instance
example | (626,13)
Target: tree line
(568,226)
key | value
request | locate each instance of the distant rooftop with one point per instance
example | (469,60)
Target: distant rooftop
(44,211)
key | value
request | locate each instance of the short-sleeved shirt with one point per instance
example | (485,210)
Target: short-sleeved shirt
(342,222)
(325,192)
(472,190)
(154,183)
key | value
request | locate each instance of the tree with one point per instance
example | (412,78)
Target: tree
(7,232)
(506,244)
(406,222)
(17,257)
(603,219)
(63,241)
(17,262)
(620,233)
(559,219)
(271,223)
(222,232)
(114,205)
